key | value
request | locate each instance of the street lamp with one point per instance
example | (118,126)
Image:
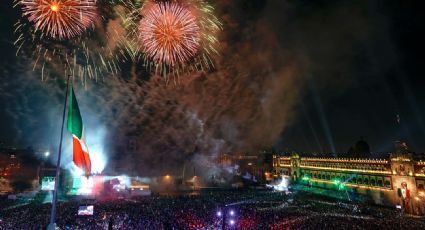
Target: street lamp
(46,154)
(224,215)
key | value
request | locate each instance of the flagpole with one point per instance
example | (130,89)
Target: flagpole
(58,163)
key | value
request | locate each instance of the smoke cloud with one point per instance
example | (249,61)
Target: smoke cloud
(150,126)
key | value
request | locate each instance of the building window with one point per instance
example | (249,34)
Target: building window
(387,184)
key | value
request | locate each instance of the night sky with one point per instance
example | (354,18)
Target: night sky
(386,77)
(356,65)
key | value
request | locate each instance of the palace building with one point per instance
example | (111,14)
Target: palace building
(399,179)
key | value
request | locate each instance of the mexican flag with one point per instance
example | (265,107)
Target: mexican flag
(75,126)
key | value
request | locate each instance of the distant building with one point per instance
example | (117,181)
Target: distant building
(397,180)
(19,170)
(251,167)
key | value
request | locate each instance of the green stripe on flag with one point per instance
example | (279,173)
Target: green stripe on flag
(75,122)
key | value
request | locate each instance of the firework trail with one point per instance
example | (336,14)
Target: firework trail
(123,33)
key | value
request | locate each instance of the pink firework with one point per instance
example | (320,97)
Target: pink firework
(169,33)
(60,19)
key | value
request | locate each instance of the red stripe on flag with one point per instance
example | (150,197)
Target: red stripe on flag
(81,158)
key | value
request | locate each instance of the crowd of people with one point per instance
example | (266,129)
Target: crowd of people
(236,209)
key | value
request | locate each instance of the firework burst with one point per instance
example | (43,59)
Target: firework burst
(178,35)
(60,19)
(169,33)
(65,35)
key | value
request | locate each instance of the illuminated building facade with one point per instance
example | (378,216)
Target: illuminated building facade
(398,180)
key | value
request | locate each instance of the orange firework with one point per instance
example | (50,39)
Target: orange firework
(169,33)
(177,36)
(60,19)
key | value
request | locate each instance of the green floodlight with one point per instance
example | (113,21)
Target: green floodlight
(306,178)
(337,181)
